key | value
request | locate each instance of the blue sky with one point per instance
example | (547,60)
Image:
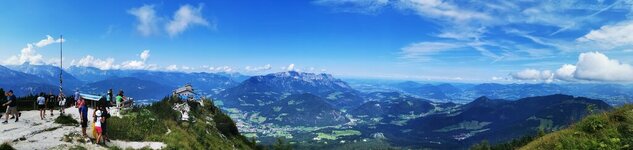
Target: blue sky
(460,41)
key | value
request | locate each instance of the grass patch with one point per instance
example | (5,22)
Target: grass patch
(609,130)
(77,147)
(66,120)
(208,127)
(337,133)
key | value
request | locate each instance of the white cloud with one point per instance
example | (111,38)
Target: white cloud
(611,36)
(258,69)
(221,69)
(591,66)
(354,6)
(423,50)
(147,19)
(534,75)
(139,64)
(596,66)
(186,67)
(565,73)
(171,68)
(49,40)
(144,55)
(90,61)
(133,64)
(29,53)
(443,10)
(290,67)
(109,63)
(185,17)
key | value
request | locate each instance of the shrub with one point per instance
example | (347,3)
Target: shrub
(135,126)
(66,120)
(226,126)
(6,146)
(592,124)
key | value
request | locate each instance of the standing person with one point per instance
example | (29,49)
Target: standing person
(83,113)
(62,103)
(77,95)
(109,99)
(119,99)
(51,102)
(98,120)
(104,125)
(12,108)
(41,105)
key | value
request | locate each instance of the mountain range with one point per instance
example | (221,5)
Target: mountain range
(319,108)
(141,84)
(495,120)
(614,94)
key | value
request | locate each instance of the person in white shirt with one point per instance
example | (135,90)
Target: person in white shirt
(41,101)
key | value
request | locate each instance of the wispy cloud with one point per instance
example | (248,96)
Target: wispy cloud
(474,25)
(147,19)
(611,36)
(423,51)
(354,6)
(186,16)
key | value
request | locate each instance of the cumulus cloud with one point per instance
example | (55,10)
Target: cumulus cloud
(598,67)
(258,69)
(290,67)
(109,63)
(534,75)
(29,53)
(91,61)
(138,64)
(565,73)
(591,66)
(144,55)
(147,19)
(185,17)
(171,68)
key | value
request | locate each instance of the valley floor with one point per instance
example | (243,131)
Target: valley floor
(30,132)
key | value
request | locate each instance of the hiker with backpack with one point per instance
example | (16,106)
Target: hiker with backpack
(62,103)
(12,107)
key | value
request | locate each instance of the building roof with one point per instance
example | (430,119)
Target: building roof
(186,88)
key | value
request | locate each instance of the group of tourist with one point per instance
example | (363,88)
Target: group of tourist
(100,113)
(50,102)
(99,117)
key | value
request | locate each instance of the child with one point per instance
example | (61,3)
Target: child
(99,119)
